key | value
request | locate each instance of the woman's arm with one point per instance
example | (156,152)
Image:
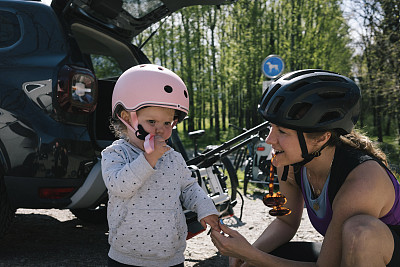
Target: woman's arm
(231,243)
(279,232)
(283,228)
(367,190)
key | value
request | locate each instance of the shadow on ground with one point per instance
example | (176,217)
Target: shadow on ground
(41,240)
(215,261)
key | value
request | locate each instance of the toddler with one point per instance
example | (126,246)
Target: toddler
(148,182)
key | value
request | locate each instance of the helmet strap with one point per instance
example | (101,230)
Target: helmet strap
(285,173)
(304,153)
(141,133)
(136,128)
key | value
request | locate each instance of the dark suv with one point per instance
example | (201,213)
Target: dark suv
(54,111)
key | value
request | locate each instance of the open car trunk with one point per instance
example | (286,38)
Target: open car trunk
(103,30)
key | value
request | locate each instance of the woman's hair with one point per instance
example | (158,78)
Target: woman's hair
(356,140)
(362,142)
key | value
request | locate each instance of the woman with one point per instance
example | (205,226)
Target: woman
(351,196)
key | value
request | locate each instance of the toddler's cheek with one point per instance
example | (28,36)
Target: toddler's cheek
(168,132)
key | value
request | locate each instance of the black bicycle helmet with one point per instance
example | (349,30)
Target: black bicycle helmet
(312,100)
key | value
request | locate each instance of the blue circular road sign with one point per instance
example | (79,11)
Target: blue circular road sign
(272,66)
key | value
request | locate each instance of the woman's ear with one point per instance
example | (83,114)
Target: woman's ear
(324,138)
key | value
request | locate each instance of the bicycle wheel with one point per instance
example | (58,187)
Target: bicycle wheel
(228,166)
(240,156)
(248,173)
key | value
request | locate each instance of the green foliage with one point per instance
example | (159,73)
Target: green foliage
(378,65)
(105,67)
(218,52)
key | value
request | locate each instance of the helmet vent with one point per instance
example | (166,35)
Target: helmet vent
(268,94)
(168,89)
(299,110)
(185,93)
(296,86)
(330,116)
(332,95)
(328,78)
(276,105)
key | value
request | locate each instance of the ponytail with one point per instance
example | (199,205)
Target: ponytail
(355,140)
(362,142)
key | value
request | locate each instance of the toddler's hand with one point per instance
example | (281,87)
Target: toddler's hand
(212,221)
(160,147)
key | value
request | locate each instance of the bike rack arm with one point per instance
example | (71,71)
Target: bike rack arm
(238,146)
(213,153)
(208,161)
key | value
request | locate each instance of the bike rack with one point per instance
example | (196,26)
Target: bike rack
(210,157)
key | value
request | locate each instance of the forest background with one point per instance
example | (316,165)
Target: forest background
(218,52)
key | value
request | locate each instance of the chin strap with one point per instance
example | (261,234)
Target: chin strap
(304,153)
(285,173)
(140,132)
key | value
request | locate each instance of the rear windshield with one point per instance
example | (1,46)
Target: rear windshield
(140,8)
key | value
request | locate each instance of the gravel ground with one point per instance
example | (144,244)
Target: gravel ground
(57,238)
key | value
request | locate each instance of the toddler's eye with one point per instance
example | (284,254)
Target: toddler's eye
(167,123)
(151,121)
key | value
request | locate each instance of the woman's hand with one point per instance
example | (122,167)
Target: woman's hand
(235,262)
(231,243)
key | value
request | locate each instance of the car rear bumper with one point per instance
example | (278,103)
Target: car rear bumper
(30,192)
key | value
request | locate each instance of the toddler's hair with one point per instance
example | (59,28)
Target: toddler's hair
(119,129)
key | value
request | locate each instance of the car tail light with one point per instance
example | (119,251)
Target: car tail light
(77,90)
(260,148)
(55,193)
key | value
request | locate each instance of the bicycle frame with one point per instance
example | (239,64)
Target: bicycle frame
(210,157)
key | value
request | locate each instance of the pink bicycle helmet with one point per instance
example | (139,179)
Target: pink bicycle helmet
(150,85)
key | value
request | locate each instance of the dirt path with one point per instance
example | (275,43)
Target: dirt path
(57,238)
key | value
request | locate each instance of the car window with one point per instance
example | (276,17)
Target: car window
(105,66)
(140,8)
(10,31)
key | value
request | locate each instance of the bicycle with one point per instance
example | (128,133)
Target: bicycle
(212,175)
(255,157)
(208,166)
